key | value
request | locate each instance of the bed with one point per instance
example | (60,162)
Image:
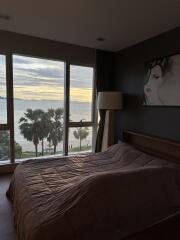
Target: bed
(109,195)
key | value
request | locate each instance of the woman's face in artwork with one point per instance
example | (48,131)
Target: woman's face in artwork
(151,88)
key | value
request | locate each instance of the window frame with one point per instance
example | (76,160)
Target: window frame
(9,126)
(67,124)
(70,124)
(93,122)
(4,126)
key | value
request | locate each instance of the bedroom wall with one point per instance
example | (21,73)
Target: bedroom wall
(129,78)
(39,47)
(105,69)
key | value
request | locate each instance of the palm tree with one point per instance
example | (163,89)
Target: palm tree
(43,129)
(30,126)
(55,126)
(81,133)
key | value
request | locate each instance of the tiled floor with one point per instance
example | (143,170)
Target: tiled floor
(7,231)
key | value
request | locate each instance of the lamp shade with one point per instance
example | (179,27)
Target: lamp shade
(110,100)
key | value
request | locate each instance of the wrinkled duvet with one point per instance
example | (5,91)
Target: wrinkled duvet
(107,195)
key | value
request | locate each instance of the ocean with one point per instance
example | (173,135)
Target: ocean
(78,111)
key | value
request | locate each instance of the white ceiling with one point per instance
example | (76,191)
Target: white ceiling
(121,22)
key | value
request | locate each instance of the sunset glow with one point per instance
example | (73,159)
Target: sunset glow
(51,93)
(39,79)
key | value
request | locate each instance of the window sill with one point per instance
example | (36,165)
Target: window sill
(7,168)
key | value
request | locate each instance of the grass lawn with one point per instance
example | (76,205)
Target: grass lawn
(83,148)
(30,154)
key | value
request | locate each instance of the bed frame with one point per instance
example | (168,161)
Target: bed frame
(163,148)
(168,228)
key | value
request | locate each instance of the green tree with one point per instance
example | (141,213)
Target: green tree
(80,134)
(30,126)
(4,145)
(55,126)
(18,150)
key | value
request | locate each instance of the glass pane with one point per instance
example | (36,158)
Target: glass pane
(80,139)
(4,146)
(3,100)
(38,105)
(81,93)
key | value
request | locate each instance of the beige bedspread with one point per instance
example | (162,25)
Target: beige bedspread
(107,195)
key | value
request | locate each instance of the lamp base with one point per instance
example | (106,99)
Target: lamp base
(108,135)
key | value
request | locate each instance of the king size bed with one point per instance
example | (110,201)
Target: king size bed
(109,195)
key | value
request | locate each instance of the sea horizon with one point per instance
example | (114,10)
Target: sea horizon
(78,111)
(51,100)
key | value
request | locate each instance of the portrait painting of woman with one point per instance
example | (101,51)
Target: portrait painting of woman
(162,83)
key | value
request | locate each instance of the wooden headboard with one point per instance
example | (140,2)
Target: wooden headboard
(158,147)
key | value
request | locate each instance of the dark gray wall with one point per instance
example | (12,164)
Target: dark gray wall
(39,47)
(105,70)
(129,78)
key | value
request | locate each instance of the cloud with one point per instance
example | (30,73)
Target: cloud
(51,93)
(2,59)
(31,79)
(81,95)
(2,73)
(36,93)
(81,76)
(35,74)
(2,79)
(36,78)
(21,59)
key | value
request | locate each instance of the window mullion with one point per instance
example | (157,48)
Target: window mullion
(66,107)
(80,124)
(94,112)
(10,104)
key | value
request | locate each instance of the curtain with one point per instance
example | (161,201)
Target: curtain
(104,82)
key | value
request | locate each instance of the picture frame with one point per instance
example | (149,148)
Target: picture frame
(162,82)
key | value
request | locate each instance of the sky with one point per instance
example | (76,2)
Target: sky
(41,79)
(2,76)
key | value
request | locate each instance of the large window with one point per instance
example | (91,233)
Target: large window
(81,117)
(38,106)
(81,93)
(47,108)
